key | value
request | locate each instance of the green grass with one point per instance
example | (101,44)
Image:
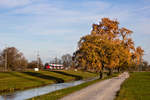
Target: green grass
(11,81)
(63,92)
(137,87)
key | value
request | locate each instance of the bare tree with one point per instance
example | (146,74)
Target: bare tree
(56,61)
(14,59)
(32,64)
(36,63)
(66,60)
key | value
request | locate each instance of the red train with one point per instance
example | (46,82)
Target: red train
(54,66)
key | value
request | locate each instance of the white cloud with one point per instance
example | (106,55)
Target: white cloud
(38,9)
(143,27)
(96,5)
(13,3)
(53,32)
(52,9)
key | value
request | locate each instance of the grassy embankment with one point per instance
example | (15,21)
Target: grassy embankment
(11,81)
(63,92)
(137,87)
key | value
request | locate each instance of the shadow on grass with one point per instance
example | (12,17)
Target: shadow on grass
(91,72)
(39,75)
(21,76)
(63,73)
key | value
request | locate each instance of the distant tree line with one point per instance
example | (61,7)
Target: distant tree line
(11,59)
(65,60)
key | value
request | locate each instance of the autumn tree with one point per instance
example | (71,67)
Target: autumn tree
(108,46)
(139,52)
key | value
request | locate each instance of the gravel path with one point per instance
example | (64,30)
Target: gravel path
(104,90)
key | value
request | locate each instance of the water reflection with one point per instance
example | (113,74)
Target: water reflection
(26,94)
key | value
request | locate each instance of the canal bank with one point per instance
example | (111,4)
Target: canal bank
(30,93)
(63,92)
(12,81)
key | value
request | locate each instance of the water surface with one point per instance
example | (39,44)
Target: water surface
(29,93)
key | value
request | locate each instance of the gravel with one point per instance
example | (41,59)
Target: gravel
(104,90)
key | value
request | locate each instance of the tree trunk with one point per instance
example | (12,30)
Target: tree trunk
(101,72)
(101,75)
(118,69)
(110,72)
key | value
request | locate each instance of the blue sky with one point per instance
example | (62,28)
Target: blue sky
(55,26)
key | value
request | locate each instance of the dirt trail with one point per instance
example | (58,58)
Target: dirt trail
(104,90)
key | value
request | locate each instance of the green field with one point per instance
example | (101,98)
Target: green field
(11,81)
(56,95)
(137,87)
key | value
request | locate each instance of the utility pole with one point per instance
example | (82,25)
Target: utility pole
(38,56)
(6,59)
